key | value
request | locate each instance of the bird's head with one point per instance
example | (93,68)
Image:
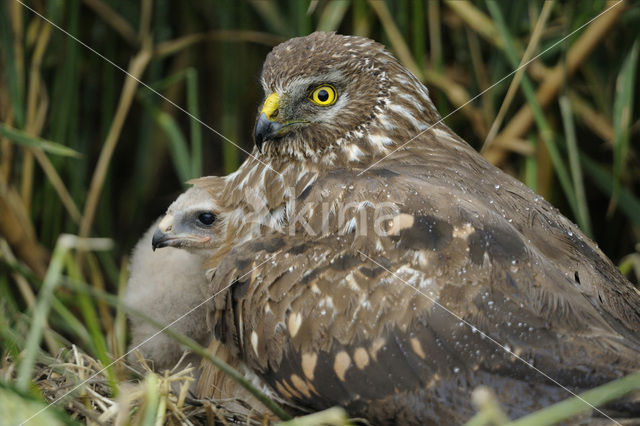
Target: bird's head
(191,223)
(325,90)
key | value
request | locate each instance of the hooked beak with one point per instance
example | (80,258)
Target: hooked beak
(271,122)
(160,239)
(164,233)
(267,126)
(265,129)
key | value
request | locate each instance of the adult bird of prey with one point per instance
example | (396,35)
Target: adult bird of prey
(391,268)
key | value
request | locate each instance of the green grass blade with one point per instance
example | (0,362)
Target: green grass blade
(628,203)
(191,76)
(531,166)
(583,218)
(334,416)
(90,315)
(120,323)
(434,17)
(21,138)
(230,157)
(70,321)
(545,129)
(32,345)
(177,140)
(64,121)
(332,15)
(573,406)
(164,83)
(152,401)
(109,266)
(9,339)
(51,280)
(622,114)
(299,15)
(17,407)
(16,94)
(417,31)
(361,22)
(229,123)
(271,16)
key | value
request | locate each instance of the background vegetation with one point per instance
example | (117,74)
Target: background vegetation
(89,151)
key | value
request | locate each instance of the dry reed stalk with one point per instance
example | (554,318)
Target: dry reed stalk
(550,87)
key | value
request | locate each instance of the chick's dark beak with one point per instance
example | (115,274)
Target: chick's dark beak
(159,240)
(265,129)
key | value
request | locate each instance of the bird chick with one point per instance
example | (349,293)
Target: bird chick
(168,284)
(190,222)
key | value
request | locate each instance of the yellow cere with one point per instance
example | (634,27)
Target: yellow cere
(271,105)
(324,95)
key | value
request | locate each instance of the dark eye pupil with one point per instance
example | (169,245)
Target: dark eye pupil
(207,218)
(323,95)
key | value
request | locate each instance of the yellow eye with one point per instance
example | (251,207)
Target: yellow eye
(324,95)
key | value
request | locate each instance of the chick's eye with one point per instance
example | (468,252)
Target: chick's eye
(207,218)
(324,95)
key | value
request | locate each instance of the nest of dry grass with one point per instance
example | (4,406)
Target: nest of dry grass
(80,384)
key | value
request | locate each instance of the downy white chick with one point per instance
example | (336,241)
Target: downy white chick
(167,284)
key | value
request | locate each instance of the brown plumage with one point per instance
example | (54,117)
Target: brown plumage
(334,305)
